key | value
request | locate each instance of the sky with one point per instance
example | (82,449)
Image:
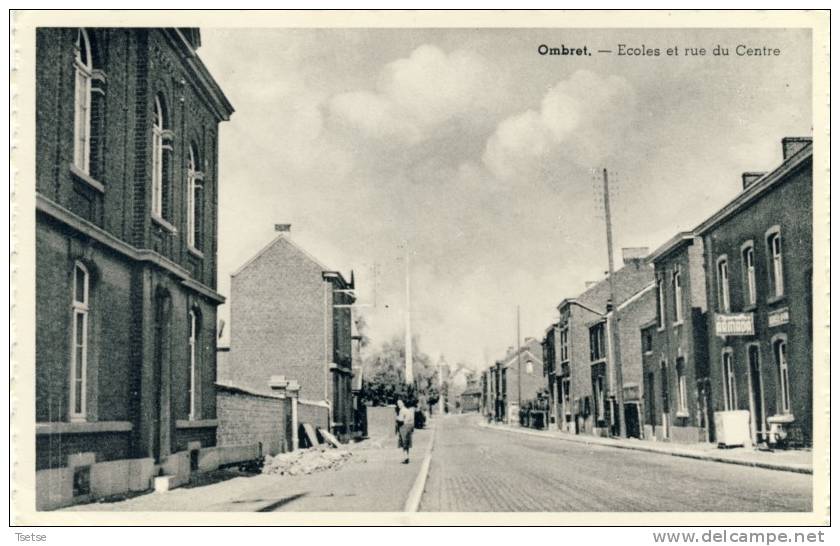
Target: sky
(481,159)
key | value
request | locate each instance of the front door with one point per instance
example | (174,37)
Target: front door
(756,395)
(666,401)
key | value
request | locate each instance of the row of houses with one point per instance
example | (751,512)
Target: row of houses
(127,391)
(708,338)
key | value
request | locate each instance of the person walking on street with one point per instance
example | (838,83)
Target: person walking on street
(405,427)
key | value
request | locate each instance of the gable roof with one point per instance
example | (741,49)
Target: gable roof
(287,239)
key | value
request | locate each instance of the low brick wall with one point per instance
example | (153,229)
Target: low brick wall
(248,418)
(316,414)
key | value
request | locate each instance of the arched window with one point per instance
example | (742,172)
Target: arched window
(161,159)
(748,261)
(723,283)
(195,201)
(529,367)
(193,344)
(774,253)
(678,295)
(78,357)
(83,67)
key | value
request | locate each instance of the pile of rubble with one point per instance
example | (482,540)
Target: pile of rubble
(305,461)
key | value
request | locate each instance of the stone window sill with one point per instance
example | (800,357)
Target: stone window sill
(776,299)
(195,252)
(164,224)
(197,423)
(92,427)
(750,308)
(87,179)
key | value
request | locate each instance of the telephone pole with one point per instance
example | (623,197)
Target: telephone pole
(518,364)
(611,315)
(409,357)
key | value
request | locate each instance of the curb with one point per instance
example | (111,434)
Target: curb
(687,455)
(412,503)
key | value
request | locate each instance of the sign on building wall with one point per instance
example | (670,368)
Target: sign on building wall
(734,324)
(778,317)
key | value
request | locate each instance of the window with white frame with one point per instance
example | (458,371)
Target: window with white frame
(529,367)
(564,344)
(597,347)
(780,352)
(78,357)
(748,257)
(678,295)
(660,301)
(723,283)
(774,251)
(193,363)
(682,388)
(195,201)
(730,395)
(83,68)
(161,158)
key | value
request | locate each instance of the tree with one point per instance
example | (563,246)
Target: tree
(384,372)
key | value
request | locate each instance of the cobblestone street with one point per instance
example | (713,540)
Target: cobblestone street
(476,469)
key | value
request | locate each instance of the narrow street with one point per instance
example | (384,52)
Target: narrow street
(476,469)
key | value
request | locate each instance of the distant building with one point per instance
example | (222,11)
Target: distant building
(759,269)
(291,317)
(126,222)
(525,364)
(471,397)
(677,398)
(585,393)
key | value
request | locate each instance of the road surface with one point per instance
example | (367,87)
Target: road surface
(478,469)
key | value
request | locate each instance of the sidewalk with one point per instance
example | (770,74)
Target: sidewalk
(357,486)
(799,461)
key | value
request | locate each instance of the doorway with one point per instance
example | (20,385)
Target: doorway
(666,401)
(756,394)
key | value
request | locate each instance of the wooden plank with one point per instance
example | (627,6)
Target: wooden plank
(311,436)
(332,440)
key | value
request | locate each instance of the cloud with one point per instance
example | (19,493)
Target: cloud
(416,94)
(582,119)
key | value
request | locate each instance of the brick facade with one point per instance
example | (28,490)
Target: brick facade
(246,418)
(676,390)
(142,279)
(577,407)
(283,322)
(777,204)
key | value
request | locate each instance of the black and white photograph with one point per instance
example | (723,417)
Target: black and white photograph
(389,266)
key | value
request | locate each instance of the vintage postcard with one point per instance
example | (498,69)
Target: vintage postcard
(424,267)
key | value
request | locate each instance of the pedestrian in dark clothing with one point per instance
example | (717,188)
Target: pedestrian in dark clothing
(405,427)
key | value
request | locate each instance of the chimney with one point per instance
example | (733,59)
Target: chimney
(609,305)
(749,178)
(791,145)
(634,254)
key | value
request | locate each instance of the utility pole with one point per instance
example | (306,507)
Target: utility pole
(611,316)
(409,357)
(518,364)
